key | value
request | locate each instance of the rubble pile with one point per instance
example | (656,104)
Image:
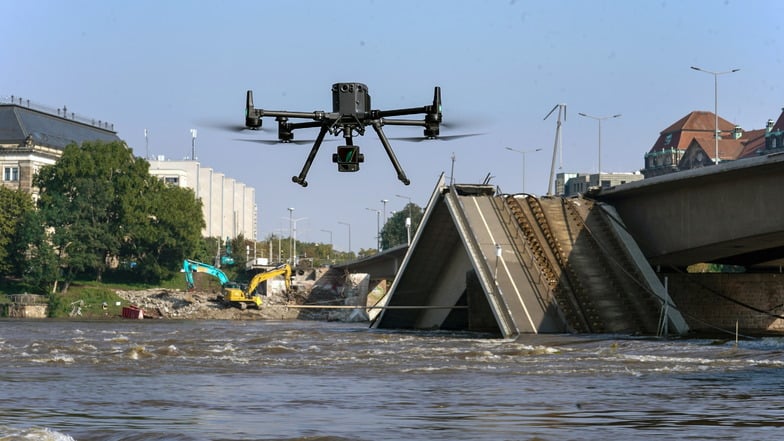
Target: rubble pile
(193,305)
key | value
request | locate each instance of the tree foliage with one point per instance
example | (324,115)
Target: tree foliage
(14,206)
(34,258)
(394,232)
(105,210)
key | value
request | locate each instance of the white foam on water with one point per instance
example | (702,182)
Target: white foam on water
(32,434)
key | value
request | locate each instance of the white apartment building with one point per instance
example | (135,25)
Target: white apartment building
(229,206)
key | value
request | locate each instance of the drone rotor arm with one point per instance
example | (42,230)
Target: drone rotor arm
(317,115)
(305,125)
(402,122)
(401,112)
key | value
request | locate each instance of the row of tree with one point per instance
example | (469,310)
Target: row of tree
(99,210)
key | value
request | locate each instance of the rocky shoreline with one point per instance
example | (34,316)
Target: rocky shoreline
(278,304)
(198,305)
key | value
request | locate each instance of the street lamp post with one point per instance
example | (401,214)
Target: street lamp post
(330,241)
(384,201)
(193,144)
(409,218)
(378,227)
(715,106)
(599,120)
(522,152)
(294,255)
(291,228)
(349,234)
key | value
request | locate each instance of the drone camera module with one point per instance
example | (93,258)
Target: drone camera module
(348,158)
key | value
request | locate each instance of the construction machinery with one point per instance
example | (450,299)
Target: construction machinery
(229,289)
(249,297)
(231,292)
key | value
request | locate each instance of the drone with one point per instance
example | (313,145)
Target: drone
(351,114)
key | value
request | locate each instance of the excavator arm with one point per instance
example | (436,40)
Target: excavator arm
(191,266)
(282,270)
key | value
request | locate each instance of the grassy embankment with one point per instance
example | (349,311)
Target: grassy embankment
(87,297)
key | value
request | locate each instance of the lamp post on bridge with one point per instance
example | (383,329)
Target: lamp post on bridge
(409,219)
(330,242)
(599,119)
(523,152)
(349,234)
(715,106)
(378,227)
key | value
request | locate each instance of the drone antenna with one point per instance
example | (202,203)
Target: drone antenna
(557,145)
(252,120)
(437,99)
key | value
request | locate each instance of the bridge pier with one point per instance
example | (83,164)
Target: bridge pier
(715,302)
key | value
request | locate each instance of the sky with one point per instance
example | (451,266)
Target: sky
(172,66)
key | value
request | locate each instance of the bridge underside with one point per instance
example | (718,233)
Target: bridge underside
(731,213)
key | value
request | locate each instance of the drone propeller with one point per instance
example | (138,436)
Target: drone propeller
(439,138)
(233,127)
(277,141)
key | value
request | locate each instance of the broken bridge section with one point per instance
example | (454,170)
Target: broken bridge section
(515,264)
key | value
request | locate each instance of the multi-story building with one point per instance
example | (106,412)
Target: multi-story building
(229,206)
(32,136)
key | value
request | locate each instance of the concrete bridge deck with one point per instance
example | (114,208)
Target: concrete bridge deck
(731,213)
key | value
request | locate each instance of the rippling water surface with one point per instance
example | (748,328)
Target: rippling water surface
(293,380)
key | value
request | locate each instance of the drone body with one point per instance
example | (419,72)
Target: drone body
(351,113)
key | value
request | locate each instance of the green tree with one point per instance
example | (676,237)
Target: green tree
(161,228)
(34,257)
(394,231)
(105,208)
(77,199)
(14,205)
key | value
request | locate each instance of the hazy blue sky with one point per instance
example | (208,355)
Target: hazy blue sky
(169,66)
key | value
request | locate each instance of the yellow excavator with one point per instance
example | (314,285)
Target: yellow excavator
(243,299)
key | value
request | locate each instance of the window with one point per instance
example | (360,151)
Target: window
(171,180)
(11,174)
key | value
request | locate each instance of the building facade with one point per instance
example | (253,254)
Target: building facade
(32,136)
(229,206)
(690,143)
(573,184)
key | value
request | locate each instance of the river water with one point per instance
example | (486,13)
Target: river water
(299,380)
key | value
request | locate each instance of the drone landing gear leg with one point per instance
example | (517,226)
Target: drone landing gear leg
(301,178)
(400,173)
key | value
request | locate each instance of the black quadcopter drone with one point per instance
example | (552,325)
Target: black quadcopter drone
(351,113)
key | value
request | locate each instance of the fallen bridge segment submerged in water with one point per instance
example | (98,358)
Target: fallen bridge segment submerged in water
(515,264)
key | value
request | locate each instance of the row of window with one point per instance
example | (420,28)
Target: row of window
(11,174)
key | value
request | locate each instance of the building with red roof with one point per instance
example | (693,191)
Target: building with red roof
(689,143)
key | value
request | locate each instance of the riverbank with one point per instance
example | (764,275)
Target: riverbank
(199,305)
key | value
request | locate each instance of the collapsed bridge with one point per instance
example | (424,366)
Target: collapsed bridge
(515,264)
